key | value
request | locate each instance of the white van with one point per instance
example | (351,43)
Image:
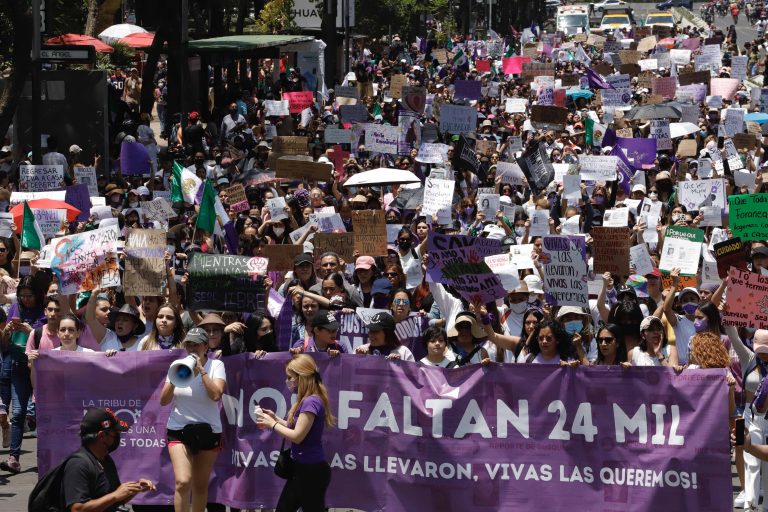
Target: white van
(572,19)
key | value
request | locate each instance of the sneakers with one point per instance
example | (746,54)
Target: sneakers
(11,465)
(738,501)
(6,435)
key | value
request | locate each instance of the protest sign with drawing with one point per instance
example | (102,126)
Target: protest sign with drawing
(158,209)
(86,261)
(144,262)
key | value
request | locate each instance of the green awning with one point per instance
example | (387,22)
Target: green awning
(244,43)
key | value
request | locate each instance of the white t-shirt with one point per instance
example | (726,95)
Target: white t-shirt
(192,404)
(78,349)
(111,342)
(448,358)
(684,331)
(403,351)
(412,268)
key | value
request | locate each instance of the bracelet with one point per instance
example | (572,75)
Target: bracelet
(203,373)
(274,426)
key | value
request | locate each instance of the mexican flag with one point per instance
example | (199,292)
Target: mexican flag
(206,217)
(594,132)
(460,59)
(31,234)
(185,186)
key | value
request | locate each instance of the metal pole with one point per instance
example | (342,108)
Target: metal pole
(183,61)
(36,89)
(345,6)
(490,14)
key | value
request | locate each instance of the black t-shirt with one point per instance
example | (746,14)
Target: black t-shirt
(87,478)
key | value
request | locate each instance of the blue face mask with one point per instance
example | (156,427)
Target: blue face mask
(573,326)
(703,133)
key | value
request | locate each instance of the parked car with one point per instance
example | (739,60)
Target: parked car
(662,19)
(614,21)
(668,4)
(599,6)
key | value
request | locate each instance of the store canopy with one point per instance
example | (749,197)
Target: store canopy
(244,43)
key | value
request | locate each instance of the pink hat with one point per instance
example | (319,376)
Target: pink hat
(365,262)
(760,342)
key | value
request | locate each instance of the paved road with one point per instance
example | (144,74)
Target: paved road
(15,489)
(744,31)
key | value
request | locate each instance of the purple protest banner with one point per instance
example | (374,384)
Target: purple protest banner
(411,437)
(640,152)
(134,159)
(465,270)
(353,332)
(467,90)
(485,246)
(79,197)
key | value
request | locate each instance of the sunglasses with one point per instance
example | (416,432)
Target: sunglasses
(401,302)
(391,274)
(607,340)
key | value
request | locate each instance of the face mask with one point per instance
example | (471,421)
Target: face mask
(267,340)
(468,211)
(278,231)
(653,196)
(703,133)
(677,217)
(404,244)
(599,199)
(749,331)
(291,385)
(690,308)
(380,301)
(133,205)
(700,324)
(573,326)
(520,230)
(115,444)
(518,308)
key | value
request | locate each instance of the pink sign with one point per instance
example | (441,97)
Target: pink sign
(483,65)
(724,87)
(298,101)
(513,65)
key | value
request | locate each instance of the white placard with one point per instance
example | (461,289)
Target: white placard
(438,195)
(539,223)
(457,119)
(641,259)
(660,132)
(616,218)
(433,153)
(511,173)
(276,108)
(521,256)
(49,220)
(489,204)
(336,135)
(502,266)
(40,178)
(87,176)
(682,254)
(381,138)
(515,105)
(598,167)
(695,194)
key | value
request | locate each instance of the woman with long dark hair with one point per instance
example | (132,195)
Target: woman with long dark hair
(260,334)
(303,427)
(653,349)
(610,346)
(550,344)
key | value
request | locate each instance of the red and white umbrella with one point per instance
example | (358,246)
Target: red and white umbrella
(138,40)
(81,40)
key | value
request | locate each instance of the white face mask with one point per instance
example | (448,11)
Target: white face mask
(518,308)
(278,231)
(133,205)
(653,196)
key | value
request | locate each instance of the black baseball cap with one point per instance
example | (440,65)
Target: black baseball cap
(325,320)
(382,322)
(303,258)
(98,419)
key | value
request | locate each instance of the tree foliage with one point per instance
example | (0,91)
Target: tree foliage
(277,18)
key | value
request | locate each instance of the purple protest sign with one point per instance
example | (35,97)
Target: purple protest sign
(467,90)
(625,174)
(134,159)
(465,270)
(565,270)
(353,332)
(484,246)
(410,437)
(640,152)
(79,197)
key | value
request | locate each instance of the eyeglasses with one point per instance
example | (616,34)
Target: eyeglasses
(401,302)
(391,274)
(607,340)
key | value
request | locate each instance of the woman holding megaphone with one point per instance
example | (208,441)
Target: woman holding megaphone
(195,385)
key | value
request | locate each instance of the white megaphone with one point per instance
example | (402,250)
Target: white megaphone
(182,371)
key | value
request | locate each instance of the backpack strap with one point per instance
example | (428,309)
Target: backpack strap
(467,358)
(38,336)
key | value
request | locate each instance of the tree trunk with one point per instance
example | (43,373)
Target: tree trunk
(20,16)
(242,13)
(153,56)
(90,21)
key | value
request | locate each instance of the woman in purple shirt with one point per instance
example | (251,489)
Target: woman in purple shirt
(308,418)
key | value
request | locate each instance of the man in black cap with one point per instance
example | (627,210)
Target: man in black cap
(90,480)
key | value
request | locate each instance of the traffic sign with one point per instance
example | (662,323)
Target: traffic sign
(73,54)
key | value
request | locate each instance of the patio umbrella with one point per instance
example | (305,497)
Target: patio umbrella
(81,40)
(757,117)
(138,40)
(42,204)
(381,176)
(677,130)
(114,33)
(657,111)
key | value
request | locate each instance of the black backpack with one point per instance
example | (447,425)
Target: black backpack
(47,496)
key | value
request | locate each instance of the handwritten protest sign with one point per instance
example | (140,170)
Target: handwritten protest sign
(276,108)
(438,195)
(598,167)
(40,178)
(396,84)
(238,201)
(298,101)
(730,253)
(682,249)
(565,270)
(699,193)
(370,232)
(432,153)
(144,262)
(611,250)
(748,216)
(515,105)
(281,256)
(342,244)
(223,282)
(87,176)
(85,261)
(502,266)
(275,207)
(457,119)
(327,222)
(747,304)
(353,113)
(50,221)
(463,268)
(382,138)
(158,209)
(336,135)
(660,132)
(302,169)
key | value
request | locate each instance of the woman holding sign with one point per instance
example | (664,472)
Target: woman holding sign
(304,426)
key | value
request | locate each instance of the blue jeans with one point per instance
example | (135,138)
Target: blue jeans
(6,365)
(21,392)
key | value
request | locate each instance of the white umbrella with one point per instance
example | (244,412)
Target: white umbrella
(381,176)
(116,32)
(677,130)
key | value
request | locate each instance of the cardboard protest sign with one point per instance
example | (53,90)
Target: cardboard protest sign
(229,283)
(284,145)
(158,209)
(396,84)
(687,148)
(281,256)
(549,117)
(382,138)
(298,101)
(611,250)
(744,140)
(87,176)
(467,89)
(86,261)
(730,253)
(747,304)
(414,98)
(302,169)
(664,86)
(682,249)
(748,216)
(565,271)
(144,262)
(370,232)
(342,244)
(457,119)
(236,198)
(41,178)
(697,77)
(50,221)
